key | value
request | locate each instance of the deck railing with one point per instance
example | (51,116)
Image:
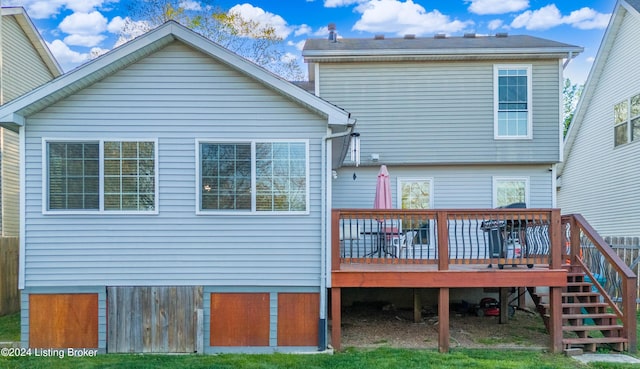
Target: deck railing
(495,237)
(606,270)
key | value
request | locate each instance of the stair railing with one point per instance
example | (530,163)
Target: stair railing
(609,274)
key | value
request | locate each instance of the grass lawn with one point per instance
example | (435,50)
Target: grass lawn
(349,359)
(10,328)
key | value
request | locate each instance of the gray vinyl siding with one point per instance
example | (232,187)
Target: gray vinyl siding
(454,187)
(23,68)
(440,112)
(10,184)
(598,180)
(175,95)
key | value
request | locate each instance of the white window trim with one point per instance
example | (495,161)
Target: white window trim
(496,68)
(253,210)
(497,179)
(100,210)
(399,182)
(627,122)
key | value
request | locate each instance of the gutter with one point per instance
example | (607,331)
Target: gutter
(569,58)
(325,231)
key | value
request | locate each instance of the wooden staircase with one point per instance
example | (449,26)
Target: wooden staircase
(587,321)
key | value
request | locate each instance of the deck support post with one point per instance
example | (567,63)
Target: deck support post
(443,320)
(504,305)
(336,318)
(417,306)
(555,318)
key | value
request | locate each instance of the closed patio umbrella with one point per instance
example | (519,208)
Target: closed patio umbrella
(383,190)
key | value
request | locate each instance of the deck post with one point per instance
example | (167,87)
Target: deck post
(417,306)
(574,242)
(443,320)
(629,310)
(443,242)
(556,238)
(336,318)
(504,305)
(555,318)
(335,240)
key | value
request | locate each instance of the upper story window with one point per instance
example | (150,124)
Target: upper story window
(510,190)
(512,101)
(109,176)
(415,193)
(253,177)
(626,121)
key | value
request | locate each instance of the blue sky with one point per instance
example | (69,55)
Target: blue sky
(74,29)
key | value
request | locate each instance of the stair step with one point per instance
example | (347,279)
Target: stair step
(589,316)
(581,341)
(573,328)
(567,305)
(572,294)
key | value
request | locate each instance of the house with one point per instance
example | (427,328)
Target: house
(25,63)
(464,125)
(599,172)
(174,201)
(471,121)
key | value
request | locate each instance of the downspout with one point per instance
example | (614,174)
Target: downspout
(325,218)
(569,58)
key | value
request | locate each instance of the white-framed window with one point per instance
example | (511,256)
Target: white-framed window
(110,176)
(626,121)
(512,101)
(252,176)
(510,190)
(415,193)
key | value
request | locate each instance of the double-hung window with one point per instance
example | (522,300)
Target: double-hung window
(510,190)
(626,120)
(253,176)
(101,176)
(512,102)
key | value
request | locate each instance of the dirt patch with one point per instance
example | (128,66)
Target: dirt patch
(371,325)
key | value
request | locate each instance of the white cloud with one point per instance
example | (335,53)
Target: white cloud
(483,7)
(549,17)
(127,29)
(65,56)
(289,57)
(495,24)
(41,9)
(587,18)
(298,45)
(339,3)
(85,24)
(84,40)
(303,29)
(591,59)
(190,5)
(250,12)
(395,16)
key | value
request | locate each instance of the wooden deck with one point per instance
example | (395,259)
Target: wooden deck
(377,249)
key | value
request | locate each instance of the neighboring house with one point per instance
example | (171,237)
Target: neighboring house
(600,170)
(171,186)
(26,63)
(460,122)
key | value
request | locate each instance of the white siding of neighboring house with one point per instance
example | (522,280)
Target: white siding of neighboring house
(23,70)
(454,187)
(441,112)
(600,181)
(176,95)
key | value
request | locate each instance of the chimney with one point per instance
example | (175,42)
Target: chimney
(409,36)
(378,37)
(469,35)
(502,34)
(333,36)
(440,35)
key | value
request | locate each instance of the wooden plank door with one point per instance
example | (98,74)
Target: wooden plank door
(153,319)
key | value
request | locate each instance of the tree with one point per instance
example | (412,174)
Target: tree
(248,38)
(571,94)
